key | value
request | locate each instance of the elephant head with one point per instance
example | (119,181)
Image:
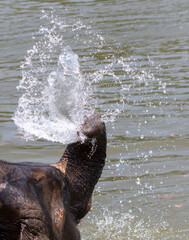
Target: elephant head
(45,202)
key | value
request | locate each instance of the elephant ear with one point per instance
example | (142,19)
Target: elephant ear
(58,211)
(55,202)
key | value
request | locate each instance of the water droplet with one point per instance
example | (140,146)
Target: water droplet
(138,181)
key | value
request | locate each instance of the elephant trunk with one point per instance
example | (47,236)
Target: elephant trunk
(82,164)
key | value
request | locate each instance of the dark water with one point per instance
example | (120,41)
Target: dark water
(143,49)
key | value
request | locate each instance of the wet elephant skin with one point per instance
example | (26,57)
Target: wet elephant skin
(45,202)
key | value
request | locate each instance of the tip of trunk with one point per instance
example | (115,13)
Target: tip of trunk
(93,126)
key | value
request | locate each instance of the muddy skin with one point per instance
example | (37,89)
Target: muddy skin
(45,202)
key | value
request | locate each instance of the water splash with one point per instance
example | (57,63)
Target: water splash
(59,88)
(52,105)
(52,109)
(55,95)
(112,224)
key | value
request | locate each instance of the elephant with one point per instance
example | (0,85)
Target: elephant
(41,201)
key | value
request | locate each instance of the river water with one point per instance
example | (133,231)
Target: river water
(128,61)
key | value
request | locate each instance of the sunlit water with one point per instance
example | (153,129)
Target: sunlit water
(125,60)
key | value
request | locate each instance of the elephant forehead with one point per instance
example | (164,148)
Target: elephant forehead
(31,212)
(17,198)
(38,174)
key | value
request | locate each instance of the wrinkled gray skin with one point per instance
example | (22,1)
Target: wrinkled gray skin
(45,202)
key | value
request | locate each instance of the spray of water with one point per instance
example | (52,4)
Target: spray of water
(56,96)
(52,105)
(120,226)
(59,88)
(52,108)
